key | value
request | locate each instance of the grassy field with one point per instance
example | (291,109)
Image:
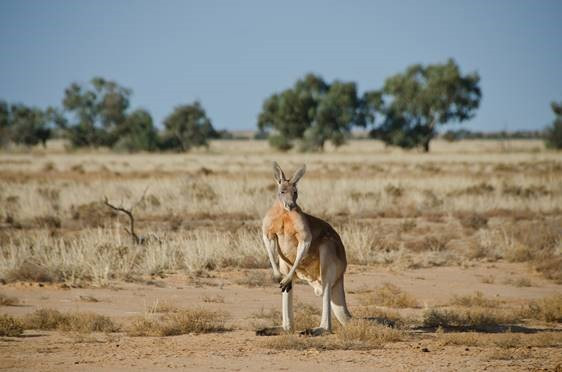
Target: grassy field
(488,206)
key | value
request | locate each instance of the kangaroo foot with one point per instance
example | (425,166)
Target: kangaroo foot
(318,331)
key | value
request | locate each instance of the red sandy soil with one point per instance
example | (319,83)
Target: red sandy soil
(240,349)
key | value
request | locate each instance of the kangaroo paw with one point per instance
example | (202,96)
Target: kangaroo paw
(286,287)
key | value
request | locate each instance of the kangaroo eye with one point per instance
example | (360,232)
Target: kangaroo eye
(282,192)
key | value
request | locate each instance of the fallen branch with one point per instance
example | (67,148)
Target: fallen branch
(129,212)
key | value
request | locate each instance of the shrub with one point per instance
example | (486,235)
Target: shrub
(553,134)
(10,326)
(50,319)
(391,296)
(472,318)
(29,271)
(280,142)
(548,309)
(8,300)
(477,299)
(179,322)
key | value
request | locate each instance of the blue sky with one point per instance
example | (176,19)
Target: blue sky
(231,55)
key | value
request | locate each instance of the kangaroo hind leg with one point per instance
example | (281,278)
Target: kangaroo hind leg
(339,305)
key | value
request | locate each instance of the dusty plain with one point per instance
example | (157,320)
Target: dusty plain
(461,249)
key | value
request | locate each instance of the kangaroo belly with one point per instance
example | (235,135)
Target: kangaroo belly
(309,268)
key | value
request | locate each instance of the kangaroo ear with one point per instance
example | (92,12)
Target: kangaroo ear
(278,173)
(298,175)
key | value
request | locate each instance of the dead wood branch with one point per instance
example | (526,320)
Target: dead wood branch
(129,212)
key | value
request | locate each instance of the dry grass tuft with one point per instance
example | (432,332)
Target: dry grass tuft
(48,222)
(8,300)
(472,220)
(10,326)
(550,267)
(501,340)
(358,334)
(94,214)
(477,299)
(479,189)
(548,309)
(519,282)
(179,322)
(29,271)
(408,225)
(524,192)
(476,317)
(50,319)
(217,299)
(306,316)
(361,333)
(489,279)
(394,191)
(265,318)
(389,295)
(163,307)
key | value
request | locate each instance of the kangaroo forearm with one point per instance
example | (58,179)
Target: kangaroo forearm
(302,250)
(270,246)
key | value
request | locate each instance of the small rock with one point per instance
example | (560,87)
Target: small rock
(425,350)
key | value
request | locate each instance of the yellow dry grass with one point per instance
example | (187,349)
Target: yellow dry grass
(178,322)
(359,334)
(472,200)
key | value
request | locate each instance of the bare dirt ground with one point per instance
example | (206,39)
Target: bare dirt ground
(240,349)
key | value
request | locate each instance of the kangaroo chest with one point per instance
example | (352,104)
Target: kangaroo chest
(283,228)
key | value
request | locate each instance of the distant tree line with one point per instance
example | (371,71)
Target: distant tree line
(98,114)
(463,134)
(406,111)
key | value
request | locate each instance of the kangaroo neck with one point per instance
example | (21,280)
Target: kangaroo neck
(282,210)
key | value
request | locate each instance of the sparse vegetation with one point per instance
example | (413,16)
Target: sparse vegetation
(502,340)
(359,334)
(10,326)
(518,282)
(6,300)
(477,299)
(473,317)
(499,225)
(548,309)
(181,321)
(389,295)
(50,319)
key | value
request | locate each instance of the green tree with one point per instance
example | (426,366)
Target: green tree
(4,123)
(312,111)
(186,127)
(98,112)
(415,102)
(337,112)
(27,125)
(137,133)
(553,134)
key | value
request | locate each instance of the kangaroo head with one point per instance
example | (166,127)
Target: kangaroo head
(287,189)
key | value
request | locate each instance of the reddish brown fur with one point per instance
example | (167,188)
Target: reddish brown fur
(294,226)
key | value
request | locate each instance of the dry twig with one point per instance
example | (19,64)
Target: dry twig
(129,212)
